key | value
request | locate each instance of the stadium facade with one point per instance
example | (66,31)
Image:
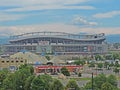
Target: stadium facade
(59,43)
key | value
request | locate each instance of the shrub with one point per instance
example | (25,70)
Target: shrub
(65,71)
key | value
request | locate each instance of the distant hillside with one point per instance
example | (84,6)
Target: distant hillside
(4,40)
(115,38)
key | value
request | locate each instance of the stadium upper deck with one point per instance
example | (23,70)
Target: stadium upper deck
(57,35)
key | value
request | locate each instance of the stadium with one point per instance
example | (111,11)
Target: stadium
(57,43)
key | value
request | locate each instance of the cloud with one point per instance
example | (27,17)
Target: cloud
(9,17)
(39,2)
(83,22)
(8,14)
(48,7)
(56,27)
(29,5)
(107,14)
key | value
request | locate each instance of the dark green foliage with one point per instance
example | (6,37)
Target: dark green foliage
(56,85)
(101,80)
(107,86)
(79,62)
(106,65)
(31,69)
(65,71)
(28,82)
(16,80)
(28,67)
(117,64)
(98,57)
(116,56)
(79,74)
(112,80)
(20,78)
(41,82)
(38,83)
(9,82)
(47,57)
(72,85)
(23,66)
(88,86)
(100,65)
(47,79)
(3,75)
(109,57)
(92,64)
(116,70)
(111,65)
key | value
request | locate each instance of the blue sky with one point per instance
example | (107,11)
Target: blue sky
(74,16)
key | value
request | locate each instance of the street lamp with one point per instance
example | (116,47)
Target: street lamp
(92,81)
(0,84)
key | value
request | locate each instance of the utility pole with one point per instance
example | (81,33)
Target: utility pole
(92,81)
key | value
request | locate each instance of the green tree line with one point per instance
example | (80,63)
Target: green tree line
(25,79)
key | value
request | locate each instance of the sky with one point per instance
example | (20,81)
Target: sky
(71,16)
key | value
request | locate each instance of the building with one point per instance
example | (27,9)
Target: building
(57,43)
(14,61)
(11,63)
(57,69)
(114,47)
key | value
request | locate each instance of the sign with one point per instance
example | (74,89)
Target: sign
(44,43)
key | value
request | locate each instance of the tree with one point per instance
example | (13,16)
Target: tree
(38,83)
(117,64)
(28,67)
(41,82)
(106,64)
(3,75)
(28,82)
(99,80)
(107,86)
(47,57)
(20,77)
(88,86)
(100,65)
(9,82)
(72,85)
(79,74)
(57,85)
(112,80)
(115,56)
(79,62)
(116,70)
(111,64)
(65,71)
(92,64)
(98,57)
(23,66)
(47,79)
(31,69)
(109,57)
